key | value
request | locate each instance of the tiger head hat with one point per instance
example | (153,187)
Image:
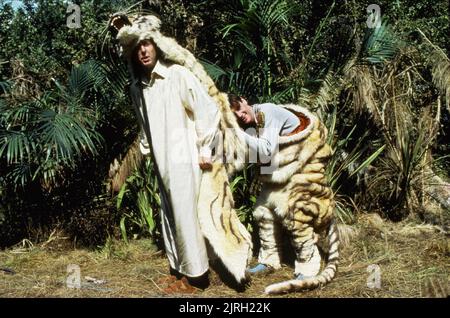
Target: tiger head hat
(148,28)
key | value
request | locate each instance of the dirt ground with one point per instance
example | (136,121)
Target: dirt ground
(412,260)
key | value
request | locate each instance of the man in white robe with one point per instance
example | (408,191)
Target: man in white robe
(183,121)
(177,106)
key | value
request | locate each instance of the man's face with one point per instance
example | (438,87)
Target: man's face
(244,113)
(146,54)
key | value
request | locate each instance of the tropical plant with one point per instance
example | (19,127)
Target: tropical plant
(245,188)
(347,169)
(372,87)
(409,133)
(255,31)
(42,136)
(139,197)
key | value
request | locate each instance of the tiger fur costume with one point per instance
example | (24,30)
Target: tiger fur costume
(296,195)
(218,220)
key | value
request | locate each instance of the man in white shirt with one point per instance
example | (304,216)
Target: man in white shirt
(270,120)
(171,93)
(180,121)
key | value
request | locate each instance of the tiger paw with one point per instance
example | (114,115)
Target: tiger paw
(260,269)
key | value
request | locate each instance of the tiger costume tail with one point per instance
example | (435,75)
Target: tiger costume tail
(323,278)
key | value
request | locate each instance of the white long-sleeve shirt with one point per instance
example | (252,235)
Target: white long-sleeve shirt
(194,99)
(277,121)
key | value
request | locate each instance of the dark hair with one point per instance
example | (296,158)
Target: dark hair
(234,100)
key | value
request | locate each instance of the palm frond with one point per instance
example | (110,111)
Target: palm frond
(66,136)
(117,77)
(244,85)
(19,115)
(16,146)
(440,69)
(328,92)
(399,179)
(90,74)
(19,174)
(363,89)
(380,44)
(5,87)
(352,153)
(283,96)
(213,70)
(121,169)
(255,31)
(275,13)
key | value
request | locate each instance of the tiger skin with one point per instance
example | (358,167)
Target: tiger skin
(296,196)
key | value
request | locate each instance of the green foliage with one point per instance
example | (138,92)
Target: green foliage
(42,136)
(63,104)
(344,164)
(402,173)
(282,51)
(65,115)
(257,25)
(139,197)
(379,45)
(245,189)
(352,155)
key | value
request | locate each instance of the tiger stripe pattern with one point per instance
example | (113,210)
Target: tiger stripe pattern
(296,196)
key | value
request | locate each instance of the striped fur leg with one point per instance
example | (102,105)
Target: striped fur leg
(269,234)
(308,261)
(323,278)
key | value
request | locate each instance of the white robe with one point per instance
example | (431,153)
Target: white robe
(183,121)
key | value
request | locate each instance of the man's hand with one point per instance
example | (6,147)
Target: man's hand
(205,163)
